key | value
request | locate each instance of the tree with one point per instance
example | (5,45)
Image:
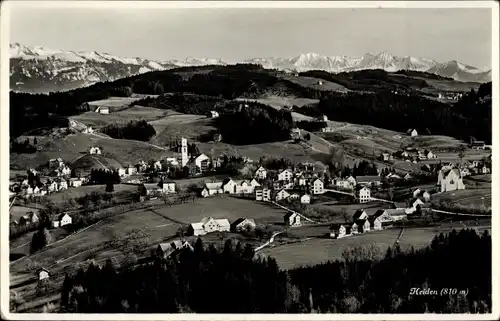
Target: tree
(345,215)
(142,190)
(39,240)
(34,141)
(461,152)
(110,188)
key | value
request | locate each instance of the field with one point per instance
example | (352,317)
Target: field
(18,211)
(477,198)
(114,103)
(310,82)
(176,125)
(332,206)
(317,250)
(278,102)
(73,146)
(137,113)
(72,192)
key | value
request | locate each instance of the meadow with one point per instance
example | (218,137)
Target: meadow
(135,113)
(310,82)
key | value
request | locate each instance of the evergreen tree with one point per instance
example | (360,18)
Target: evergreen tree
(110,188)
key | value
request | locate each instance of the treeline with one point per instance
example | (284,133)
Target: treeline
(133,130)
(101,176)
(468,117)
(25,147)
(186,103)
(311,126)
(254,124)
(365,282)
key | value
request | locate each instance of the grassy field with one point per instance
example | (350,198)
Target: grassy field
(479,197)
(114,103)
(97,120)
(174,126)
(18,211)
(333,206)
(310,82)
(73,146)
(279,102)
(70,193)
(317,250)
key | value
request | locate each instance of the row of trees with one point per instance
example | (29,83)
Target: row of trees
(367,281)
(133,130)
(102,176)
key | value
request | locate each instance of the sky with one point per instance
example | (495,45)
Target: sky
(235,34)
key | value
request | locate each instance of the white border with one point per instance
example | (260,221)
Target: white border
(4,143)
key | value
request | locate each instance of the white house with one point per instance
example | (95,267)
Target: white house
(43,274)
(431,155)
(157,165)
(285,175)
(209,225)
(202,161)
(168,187)
(214,114)
(413,132)
(65,219)
(417,192)
(65,170)
(62,184)
(339,231)
(262,194)
(414,204)
(360,215)
(75,182)
(242,224)
(102,110)
(292,219)
(450,180)
(281,195)
(229,186)
(426,196)
(88,130)
(261,173)
(485,170)
(318,186)
(122,172)
(363,194)
(52,187)
(305,199)
(95,150)
(131,170)
(243,187)
(254,184)
(212,189)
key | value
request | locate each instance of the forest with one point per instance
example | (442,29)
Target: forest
(101,176)
(254,124)
(133,130)
(366,281)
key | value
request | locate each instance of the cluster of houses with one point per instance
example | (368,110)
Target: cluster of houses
(410,154)
(450,95)
(210,225)
(32,219)
(362,223)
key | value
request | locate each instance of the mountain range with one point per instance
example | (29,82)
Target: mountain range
(41,69)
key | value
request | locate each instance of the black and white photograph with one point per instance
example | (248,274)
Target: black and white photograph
(247,158)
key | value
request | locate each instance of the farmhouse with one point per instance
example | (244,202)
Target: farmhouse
(390,215)
(318,187)
(430,155)
(202,161)
(369,180)
(427,196)
(262,194)
(167,187)
(209,225)
(327,129)
(450,180)
(360,226)
(28,219)
(417,192)
(165,250)
(285,175)
(243,224)
(465,172)
(339,230)
(131,170)
(345,183)
(412,132)
(415,204)
(387,157)
(214,114)
(102,110)
(62,184)
(52,186)
(363,194)
(88,130)
(62,220)
(281,195)
(478,144)
(295,133)
(212,189)
(254,184)
(157,166)
(75,182)
(43,274)
(408,176)
(375,223)
(95,150)
(292,219)
(141,166)
(229,186)
(122,172)
(485,170)
(294,196)
(261,173)
(305,199)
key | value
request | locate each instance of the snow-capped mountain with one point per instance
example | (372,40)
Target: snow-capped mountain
(383,60)
(40,69)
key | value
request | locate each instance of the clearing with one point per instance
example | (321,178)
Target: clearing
(120,190)
(97,120)
(175,125)
(310,82)
(114,103)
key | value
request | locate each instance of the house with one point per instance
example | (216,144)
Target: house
(102,110)
(142,166)
(168,187)
(294,196)
(64,219)
(359,215)
(318,186)
(305,199)
(327,129)
(261,173)
(122,172)
(262,194)
(212,189)
(415,204)
(412,132)
(88,130)
(363,194)
(426,196)
(320,83)
(75,182)
(281,195)
(450,180)
(417,192)
(387,157)
(345,183)
(157,165)
(393,176)
(360,226)
(214,114)
(28,219)
(485,170)
(254,184)
(465,172)
(196,229)
(390,215)
(339,231)
(65,170)
(165,250)
(292,219)
(62,184)
(95,150)
(408,176)
(369,180)
(375,223)
(52,187)
(131,170)
(478,144)
(229,186)
(243,224)
(43,274)
(430,155)
(209,225)
(300,181)
(285,175)
(295,133)
(202,161)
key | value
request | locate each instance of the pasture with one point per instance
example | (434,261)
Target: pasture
(120,190)
(321,249)
(17,211)
(310,82)
(466,198)
(114,103)
(135,113)
(278,102)
(175,126)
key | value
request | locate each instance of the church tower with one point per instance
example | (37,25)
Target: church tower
(184,151)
